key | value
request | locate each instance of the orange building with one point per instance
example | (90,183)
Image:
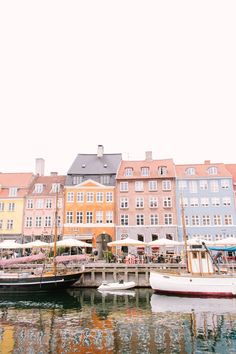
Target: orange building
(89,213)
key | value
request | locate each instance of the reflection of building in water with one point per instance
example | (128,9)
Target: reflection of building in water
(114,324)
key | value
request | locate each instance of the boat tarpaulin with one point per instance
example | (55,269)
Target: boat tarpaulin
(227,249)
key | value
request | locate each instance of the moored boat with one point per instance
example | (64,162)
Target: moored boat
(121,285)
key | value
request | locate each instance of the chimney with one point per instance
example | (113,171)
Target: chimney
(100,151)
(207,162)
(39,166)
(148,155)
(53,173)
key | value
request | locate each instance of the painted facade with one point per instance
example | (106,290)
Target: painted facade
(145,199)
(13,190)
(40,208)
(206,192)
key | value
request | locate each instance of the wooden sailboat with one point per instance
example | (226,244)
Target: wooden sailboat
(202,277)
(42,279)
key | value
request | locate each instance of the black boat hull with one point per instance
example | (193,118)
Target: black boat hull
(38,284)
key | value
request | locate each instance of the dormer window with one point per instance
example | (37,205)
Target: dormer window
(12,192)
(38,188)
(128,171)
(77,179)
(162,170)
(145,171)
(55,187)
(212,170)
(190,171)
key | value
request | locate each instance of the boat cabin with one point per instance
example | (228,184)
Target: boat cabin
(199,260)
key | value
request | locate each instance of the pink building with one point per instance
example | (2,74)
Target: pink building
(145,199)
(40,208)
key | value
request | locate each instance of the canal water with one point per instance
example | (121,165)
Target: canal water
(135,321)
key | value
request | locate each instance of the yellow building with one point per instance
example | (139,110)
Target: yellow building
(13,189)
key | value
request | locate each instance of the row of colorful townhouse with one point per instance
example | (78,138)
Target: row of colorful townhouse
(103,198)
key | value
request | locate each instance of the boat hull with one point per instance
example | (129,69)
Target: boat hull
(28,283)
(116,286)
(194,286)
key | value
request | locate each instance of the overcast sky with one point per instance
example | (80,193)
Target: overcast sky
(133,76)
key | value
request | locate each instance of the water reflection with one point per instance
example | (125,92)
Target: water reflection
(86,321)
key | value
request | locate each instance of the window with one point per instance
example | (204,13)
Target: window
(77,180)
(182,185)
(166,185)
(145,171)
(39,204)
(212,170)
(79,217)
(38,188)
(128,171)
(154,237)
(162,170)
(70,197)
(99,197)
(124,219)
(183,202)
(205,202)
(195,220)
(59,203)
(186,218)
(217,220)
(225,184)
(109,197)
(139,219)
(80,197)
(29,204)
(190,171)
(124,186)
(215,201)
(203,185)
(11,207)
(89,217)
(48,203)
(140,238)
(153,202)
(192,186)
(194,202)
(206,220)
(47,221)
(1,224)
(69,217)
(99,217)
(55,187)
(154,220)
(109,217)
(139,186)
(226,201)
(38,221)
(1,206)
(167,202)
(214,186)
(28,222)
(105,179)
(228,220)
(152,185)
(168,219)
(90,197)
(13,192)
(124,203)
(59,221)
(139,202)
(9,224)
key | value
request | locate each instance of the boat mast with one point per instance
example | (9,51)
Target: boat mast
(184,233)
(55,236)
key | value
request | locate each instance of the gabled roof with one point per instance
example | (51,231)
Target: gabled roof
(91,164)
(232,169)
(201,170)
(22,181)
(153,166)
(47,182)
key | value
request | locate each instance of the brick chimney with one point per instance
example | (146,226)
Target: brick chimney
(39,166)
(148,155)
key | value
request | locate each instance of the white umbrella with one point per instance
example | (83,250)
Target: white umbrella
(228,241)
(127,242)
(10,244)
(70,242)
(164,242)
(36,244)
(194,241)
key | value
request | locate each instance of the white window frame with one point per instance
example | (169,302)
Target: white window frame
(124,186)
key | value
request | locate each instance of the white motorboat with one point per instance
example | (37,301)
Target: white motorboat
(121,285)
(202,277)
(118,292)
